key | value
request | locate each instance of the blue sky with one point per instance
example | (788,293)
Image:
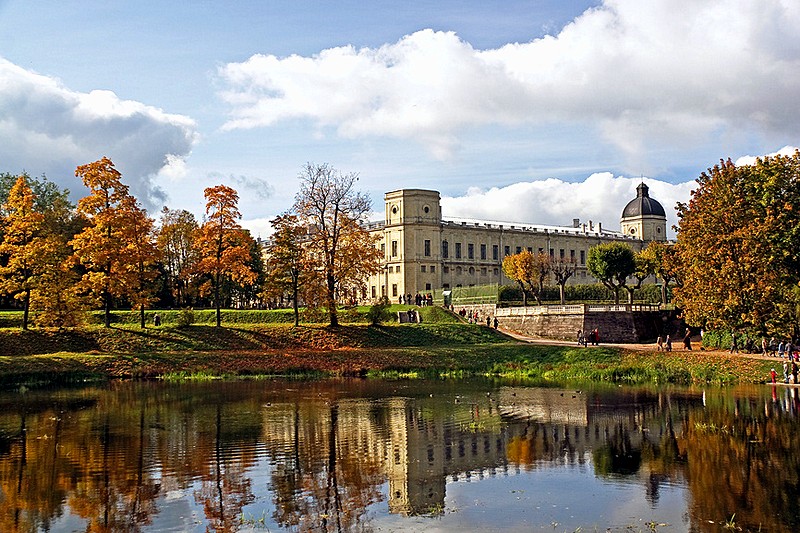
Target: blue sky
(529,111)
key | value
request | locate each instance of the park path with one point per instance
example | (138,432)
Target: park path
(642,347)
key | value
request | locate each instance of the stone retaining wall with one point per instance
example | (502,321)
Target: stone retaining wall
(617,324)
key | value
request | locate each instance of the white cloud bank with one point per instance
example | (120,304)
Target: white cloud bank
(48,128)
(599,198)
(642,74)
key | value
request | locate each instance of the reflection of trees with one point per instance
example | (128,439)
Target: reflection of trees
(731,469)
(34,478)
(329,474)
(225,489)
(111,456)
(617,455)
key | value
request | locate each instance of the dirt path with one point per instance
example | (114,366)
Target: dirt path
(639,347)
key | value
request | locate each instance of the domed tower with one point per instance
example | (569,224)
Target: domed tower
(644,218)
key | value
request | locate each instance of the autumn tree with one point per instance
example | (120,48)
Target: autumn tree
(176,246)
(738,246)
(21,246)
(341,251)
(46,193)
(611,264)
(223,247)
(563,269)
(644,267)
(662,258)
(287,261)
(139,240)
(102,248)
(530,271)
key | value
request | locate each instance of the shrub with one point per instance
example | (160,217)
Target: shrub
(379,311)
(185,317)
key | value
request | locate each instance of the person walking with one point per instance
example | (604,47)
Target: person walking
(687,340)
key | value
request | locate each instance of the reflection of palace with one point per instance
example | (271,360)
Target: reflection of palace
(318,456)
(418,444)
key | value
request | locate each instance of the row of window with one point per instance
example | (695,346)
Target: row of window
(562,253)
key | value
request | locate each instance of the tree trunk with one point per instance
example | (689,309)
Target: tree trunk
(217,303)
(141,316)
(106,309)
(295,306)
(26,305)
(562,293)
(334,318)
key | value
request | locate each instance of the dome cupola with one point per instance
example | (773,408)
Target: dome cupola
(644,218)
(643,205)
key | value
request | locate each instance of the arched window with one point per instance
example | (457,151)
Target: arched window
(445,250)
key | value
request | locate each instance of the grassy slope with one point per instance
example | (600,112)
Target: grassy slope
(442,345)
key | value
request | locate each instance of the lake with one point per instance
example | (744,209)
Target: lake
(411,455)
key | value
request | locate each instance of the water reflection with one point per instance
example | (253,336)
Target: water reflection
(361,455)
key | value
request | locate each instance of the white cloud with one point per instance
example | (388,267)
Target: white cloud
(258,227)
(552,202)
(643,74)
(751,159)
(48,128)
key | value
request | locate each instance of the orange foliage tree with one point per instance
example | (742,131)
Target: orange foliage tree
(287,261)
(175,245)
(341,251)
(530,271)
(737,246)
(115,247)
(22,246)
(223,247)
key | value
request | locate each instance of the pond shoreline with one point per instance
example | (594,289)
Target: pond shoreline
(433,350)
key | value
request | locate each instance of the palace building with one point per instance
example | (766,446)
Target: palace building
(424,252)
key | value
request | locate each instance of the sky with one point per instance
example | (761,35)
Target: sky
(537,111)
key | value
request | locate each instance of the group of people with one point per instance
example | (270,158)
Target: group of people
(780,349)
(420,300)
(664,343)
(588,337)
(474,317)
(789,372)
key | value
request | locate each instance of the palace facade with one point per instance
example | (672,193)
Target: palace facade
(423,252)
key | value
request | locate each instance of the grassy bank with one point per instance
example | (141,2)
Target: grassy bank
(431,350)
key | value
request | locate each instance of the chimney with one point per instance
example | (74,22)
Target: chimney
(576,222)
(599,227)
(591,226)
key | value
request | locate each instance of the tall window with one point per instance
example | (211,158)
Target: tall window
(483,251)
(561,253)
(445,250)
(495,252)
(458,250)
(583,257)
(519,249)
(394,248)
(427,247)
(506,250)
(470,251)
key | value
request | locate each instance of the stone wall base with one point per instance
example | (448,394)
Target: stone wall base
(612,326)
